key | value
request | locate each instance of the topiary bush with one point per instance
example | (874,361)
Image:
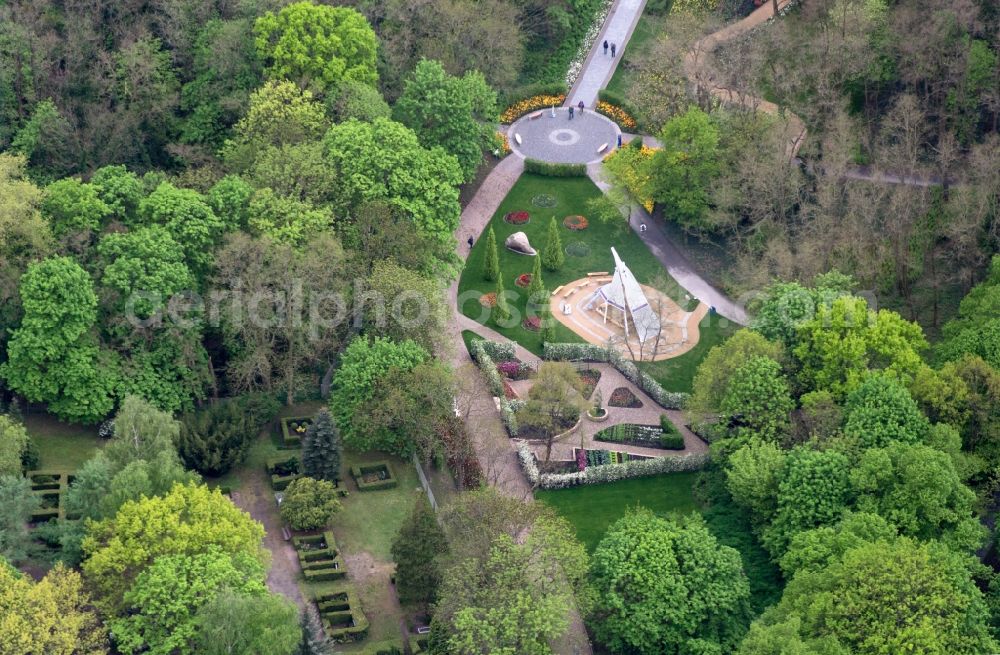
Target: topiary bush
(554,170)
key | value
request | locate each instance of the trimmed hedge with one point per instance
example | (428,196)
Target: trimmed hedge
(49,482)
(554,170)
(358,471)
(280,482)
(593,353)
(485,353)
(608,472)
(323,575)
(531,90)
(615,99)
(292,439)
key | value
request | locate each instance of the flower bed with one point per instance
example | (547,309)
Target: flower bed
(623,397)
(589,377)
(488,299)
(485,353)
(532,323)
(293,429)
(374,476)
(508,391)
(519,217)
(523,280)
(515,369)
(504,148)
(575,66)
(575,223)
(528,105)
(544,200)
(609,472)
(617,114)
(577,249)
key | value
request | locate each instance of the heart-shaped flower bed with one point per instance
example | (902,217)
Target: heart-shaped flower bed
(517,218)
(575,223)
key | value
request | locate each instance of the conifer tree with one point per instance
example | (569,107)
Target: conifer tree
(537,287)
(416,551)
(321,449)
(491,262)
(500,311)
(552,254)
(547,322)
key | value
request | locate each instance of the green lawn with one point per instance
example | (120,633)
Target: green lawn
(571,195)
(677,374)
(592,508)
(62,445)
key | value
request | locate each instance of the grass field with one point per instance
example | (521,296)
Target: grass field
(677,374)
(642,39)
(571,195)
(62,445)
(592,508)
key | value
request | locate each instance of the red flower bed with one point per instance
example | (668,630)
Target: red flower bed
(623,397)
(532,323)
(523,280)
(488,299)
(575,223)
(517,218)
(508,391)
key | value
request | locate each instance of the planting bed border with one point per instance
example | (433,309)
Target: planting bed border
(360,469)
(292,440)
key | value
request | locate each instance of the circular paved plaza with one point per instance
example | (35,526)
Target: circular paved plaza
(561,140)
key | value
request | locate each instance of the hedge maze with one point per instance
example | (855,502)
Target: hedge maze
(49,485)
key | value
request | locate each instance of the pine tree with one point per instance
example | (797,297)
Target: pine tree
(500,311)
(416,551)
(552,254)
(491,263)
(547,322)
(314,639)
(321,449)
(537,287)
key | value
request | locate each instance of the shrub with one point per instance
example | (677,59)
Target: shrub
(532,103)
(672,441)
(554,170)
(290,433)
(485,353)
(217,437)
(309,504)
(609,472)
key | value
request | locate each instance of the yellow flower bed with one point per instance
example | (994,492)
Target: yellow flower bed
(534,103)
(504,143)
(617,114)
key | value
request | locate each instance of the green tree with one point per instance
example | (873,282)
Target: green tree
(384,161)
(681,173)
(229,198)
(814,490)
(317,46)
(554,403)
(406,412)
(547,323)
(298,171)
(52,616)
(976,329)
(457,113)
(844,340)
(285,219)
(788,305)
(536,290)
(880,410)
(234,623)
(757,401)
(887,596)
(72,206)
(667,586)
(218,436)
(500,312)
(144,268)
(917,489)
(53,356)
(552,254)
(142,432)
(418,550)
(821,416)
(418,310)
(711,381)
(17,502)
(14,441)
(491,263)
(121,190)
(363,364)
(357,100)
(186,521)
(321,448)
(309,504)
(188,219)
(163,601)
(813,550)
(752,476)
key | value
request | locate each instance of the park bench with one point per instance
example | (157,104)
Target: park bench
(285,534)
(517,137)
(537,114)
(558,289)
(569,292)
(601,274)
(602,148)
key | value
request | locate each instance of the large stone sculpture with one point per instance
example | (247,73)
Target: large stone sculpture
(518,242)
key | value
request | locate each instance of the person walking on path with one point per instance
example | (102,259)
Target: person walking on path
(605,46)
(571,112)
(471,241)
(579,106)
(613,47)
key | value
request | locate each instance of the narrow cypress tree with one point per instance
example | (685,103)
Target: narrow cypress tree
(500,311)
(552,254)
(548,323)
(537,287)
(416,551)
(321,449)
(491,263)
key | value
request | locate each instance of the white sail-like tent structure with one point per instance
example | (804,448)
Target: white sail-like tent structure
(624,294)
